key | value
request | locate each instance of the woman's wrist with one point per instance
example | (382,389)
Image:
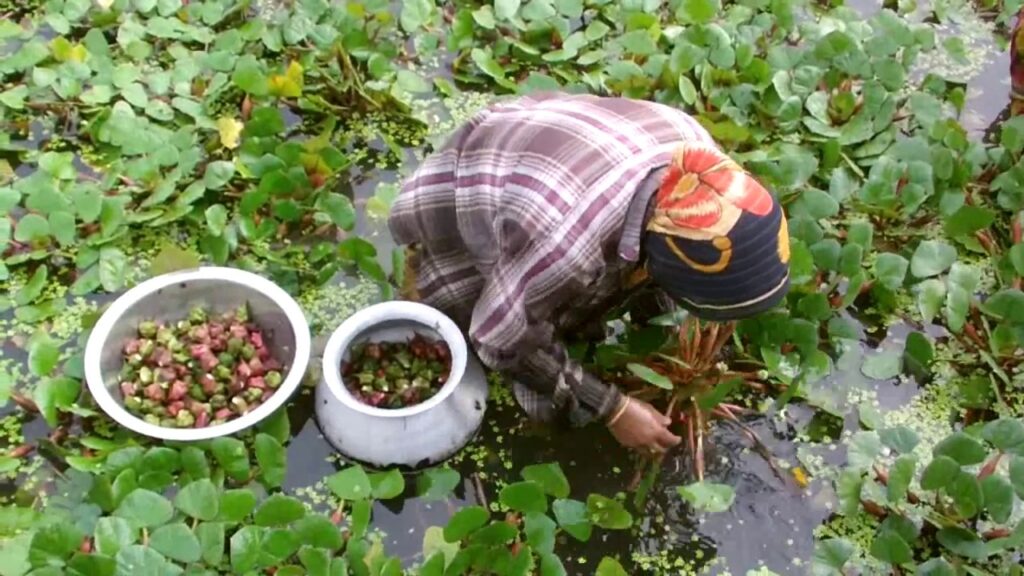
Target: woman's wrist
(619,411)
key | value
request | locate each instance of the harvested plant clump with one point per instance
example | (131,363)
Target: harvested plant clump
(197,372)
(397,374)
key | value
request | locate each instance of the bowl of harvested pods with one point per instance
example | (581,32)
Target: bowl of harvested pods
(197,354)
(399,387)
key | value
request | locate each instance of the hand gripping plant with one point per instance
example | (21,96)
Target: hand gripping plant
(690,373)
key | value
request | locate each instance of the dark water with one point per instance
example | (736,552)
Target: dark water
(770,523)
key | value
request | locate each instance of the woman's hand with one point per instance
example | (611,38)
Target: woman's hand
(640,427)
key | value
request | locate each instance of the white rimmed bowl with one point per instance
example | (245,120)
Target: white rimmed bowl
(169,297)
(421,435)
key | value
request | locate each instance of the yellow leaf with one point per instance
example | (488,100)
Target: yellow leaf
(289,84)
(800,476)
(294,72)
(105,4)
(229,129)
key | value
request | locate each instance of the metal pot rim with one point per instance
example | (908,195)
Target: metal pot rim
(367,318)
(101,332)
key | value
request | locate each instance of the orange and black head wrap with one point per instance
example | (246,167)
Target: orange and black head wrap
(717,241)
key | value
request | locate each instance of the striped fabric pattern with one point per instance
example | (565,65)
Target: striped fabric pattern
(518,220)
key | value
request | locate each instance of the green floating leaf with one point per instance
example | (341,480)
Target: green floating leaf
(888,546)
(199,499)
(465,522)
(211,542)
(573,517)
(272,459)
(833,554)
(962,448)
(387,485)
(112,534)
(141,560)
(932,258)
(43,355)
(351,483)
(1017,475)
(608,513)
(901,473)
(963,542)
(1006,304)
(437,483)
(965,490)
(998,496)
(53,394)
(610,567)
(318,531)
(233,456)
(883,366)
(279,510)
(236,505)
(899,438)
(935,567)
(524,497)
(145,508)
(939,473)
(177,542)
(1006,434)
(550,477)
(708,497)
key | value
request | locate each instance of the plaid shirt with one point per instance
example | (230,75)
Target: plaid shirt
(529,219)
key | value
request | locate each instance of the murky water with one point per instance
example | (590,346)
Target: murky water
(772,520)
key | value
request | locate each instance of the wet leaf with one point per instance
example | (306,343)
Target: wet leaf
(901,473)
(437,483)
(963,542)
(199,499)
(245,546)
(1017,475)
(524,497)
(550,477)
(931,294)
(573,517)
(172,259)
(177,542)
(318,531)
(883,365)
(272,459)
(889,547)
(33,288)
(1006,434)
(415,14)
(145,508)
(708,497)
(608,513)
(1007,304)
(233,456)
(341,211)
(211,542)
(832,555)
(965,490)
(935,567)
(464,522)
(899,438)
(278,510)
(891,270)
(939,473)
(351,483)
(610,567)
(932,258)
(113,267)
(112,534)
(54,394)
(998,497)
(387,485)
(139,560)
(962,448)
(216,219)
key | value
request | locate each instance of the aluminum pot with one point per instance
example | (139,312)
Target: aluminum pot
(169,297)
(415,436)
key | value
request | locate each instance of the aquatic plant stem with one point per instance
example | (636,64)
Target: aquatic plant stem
(699,455)
(479,487)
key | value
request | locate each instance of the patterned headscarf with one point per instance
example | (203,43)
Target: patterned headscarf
(717,241)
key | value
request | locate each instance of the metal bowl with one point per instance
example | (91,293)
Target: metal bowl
(169,298)
(423,434)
